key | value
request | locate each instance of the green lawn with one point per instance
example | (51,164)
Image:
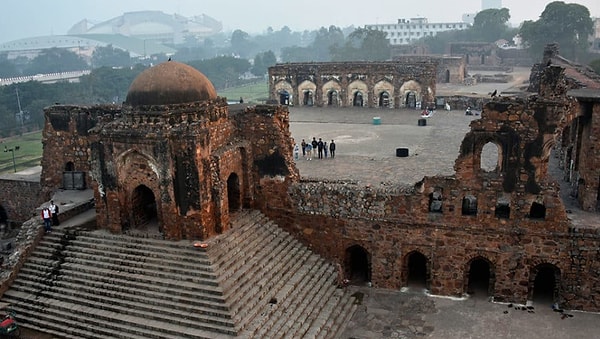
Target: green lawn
(28,154)
(253,94)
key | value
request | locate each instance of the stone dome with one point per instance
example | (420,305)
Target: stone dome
(170,83)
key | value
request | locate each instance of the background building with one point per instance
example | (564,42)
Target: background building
(406,31)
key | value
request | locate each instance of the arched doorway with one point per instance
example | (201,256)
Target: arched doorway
(357,265)
(384,99)
(144,215)
(284,98)
(544,280)
(307,99)
(479,278)
(416,270)
(233,193)
(332,98)
(411,100)
(357,101)
(447,76)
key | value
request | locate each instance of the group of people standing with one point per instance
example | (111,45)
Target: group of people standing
(320,147)
(50,216)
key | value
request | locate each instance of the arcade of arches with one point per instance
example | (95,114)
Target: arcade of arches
(354,84)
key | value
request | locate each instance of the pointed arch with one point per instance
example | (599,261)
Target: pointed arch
(306,91)
(416,270)
(544,283)
(331,93)
(358,265)
(480,277)
(358,93)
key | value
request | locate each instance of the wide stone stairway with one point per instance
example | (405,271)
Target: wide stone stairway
(254,281)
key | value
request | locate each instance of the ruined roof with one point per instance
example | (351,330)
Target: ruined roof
(170,83)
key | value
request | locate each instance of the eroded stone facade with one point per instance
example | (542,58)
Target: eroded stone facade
(502,224)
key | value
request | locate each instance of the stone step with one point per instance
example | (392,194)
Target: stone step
(258,251)
(60,295)
(338,319)
(222,245)
(78,270)
(88,323)
(305,299)
(172,300)
(273,277)
(286,309)
(170,267)
(157,272)
(319,321)
(270,266)
(241,249)
(299,255)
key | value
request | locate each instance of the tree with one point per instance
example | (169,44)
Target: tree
(240,43)
(223,71)
(490,24)
(364,44)
(262,62)
(111,57)
(326,40)
(568,24)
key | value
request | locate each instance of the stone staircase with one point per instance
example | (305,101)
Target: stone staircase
(254,281)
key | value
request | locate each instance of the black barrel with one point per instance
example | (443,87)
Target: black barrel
(422,122)
(402,152)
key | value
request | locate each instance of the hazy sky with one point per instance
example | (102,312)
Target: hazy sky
(27,18)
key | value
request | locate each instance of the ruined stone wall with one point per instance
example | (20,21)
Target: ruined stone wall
(20,199)
(65,140)
(391,223)
(271,169)
(345,78)
(449,69)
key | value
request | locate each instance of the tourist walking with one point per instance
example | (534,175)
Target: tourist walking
(332,149)
(47,217)
(54,211)
(325,149)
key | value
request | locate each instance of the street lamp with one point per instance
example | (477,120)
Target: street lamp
(16,148)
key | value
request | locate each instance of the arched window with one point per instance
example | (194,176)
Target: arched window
(435,201)
(490,156)
(537,211)
(469,205)
(502,210)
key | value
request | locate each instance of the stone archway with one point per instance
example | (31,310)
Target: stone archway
(233,193)
(358,268)
(480,278)
(544,282)
(416,270)
(284,98)
(144,212)
(332,98)
(358,100)
(384,99)
(411,100)
(447,76)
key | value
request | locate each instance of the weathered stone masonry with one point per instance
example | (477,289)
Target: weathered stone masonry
(197,160)
(354,84)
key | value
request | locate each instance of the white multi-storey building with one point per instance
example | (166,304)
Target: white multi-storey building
(409,30)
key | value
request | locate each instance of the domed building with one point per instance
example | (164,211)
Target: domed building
(172,160)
